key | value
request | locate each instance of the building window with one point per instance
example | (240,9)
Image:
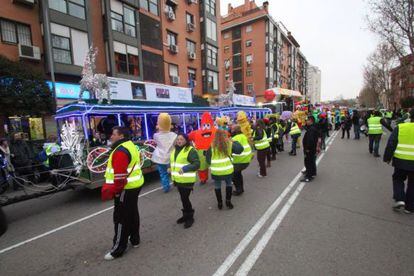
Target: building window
(248,43)
(133,65)
(211,29)
(124,23)
(61,49)
(171,38)
(249,59)
(226,49)
(191,46)
(212,80)
(226,35)
(72,7)
(192,76)
(12,32)
(189,18)
(127,64)
(153,67)
(170,8)
(237,75)
(236,33)
(236,47)
(237,61)
(249,88)
(121,63)
(150,32)
(149,5)
(210,6)
(249,28)
(239,88)
(173,70)
(212,54)
(249,73)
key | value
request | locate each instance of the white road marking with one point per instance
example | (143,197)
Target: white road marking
(264,240)
(244,243)
(66,225)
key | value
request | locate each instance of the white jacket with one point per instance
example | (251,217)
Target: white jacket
(165,145)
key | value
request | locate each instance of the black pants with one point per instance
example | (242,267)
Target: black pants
(295,138)
(126,221)
(398,179)
(273,149)
(374,142)
(238,176)
(261,158)
(310,164)
(185,198)
(347,133)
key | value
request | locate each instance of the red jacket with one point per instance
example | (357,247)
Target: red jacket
(120,161)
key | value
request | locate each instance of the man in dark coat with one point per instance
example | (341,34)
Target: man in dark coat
(310,149)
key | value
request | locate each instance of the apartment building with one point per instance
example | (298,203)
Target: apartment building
(259,53)
(314,84)
(163,41)
(402,82)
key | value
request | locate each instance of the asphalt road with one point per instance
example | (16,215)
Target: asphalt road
(340,224)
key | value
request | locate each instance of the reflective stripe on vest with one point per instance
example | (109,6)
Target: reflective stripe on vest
(221,164)
(134,176)
(246,156)
(374,125)
(180,162)
(294,129)
(276,132)
(405,147)
(263,143)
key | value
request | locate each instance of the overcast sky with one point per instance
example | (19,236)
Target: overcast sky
(333,36)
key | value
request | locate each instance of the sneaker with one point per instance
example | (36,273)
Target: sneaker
(408,212)
(306,179)
(109,257)
(377,155)
(259,175)
(398,206)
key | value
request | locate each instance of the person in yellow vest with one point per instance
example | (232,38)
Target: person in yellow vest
(269,134)
(240,161)
(295,133)
(275,138)
(400,149)
(123,182)
(262,145)
(219,157)
(375,124)
(184,163)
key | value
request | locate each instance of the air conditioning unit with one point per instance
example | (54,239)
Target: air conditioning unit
(190,27)
(170,15)
(29,52)
(192,1)
(175,79)
(249,62)
(192,55)
(25,2)
(173,48)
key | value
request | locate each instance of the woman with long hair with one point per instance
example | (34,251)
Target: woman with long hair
(184,163)
(221,164)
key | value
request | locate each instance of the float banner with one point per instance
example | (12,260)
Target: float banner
(243,100)
(68,90)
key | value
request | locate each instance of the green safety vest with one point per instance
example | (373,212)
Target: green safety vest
(276,132)
(134,176)
(270,138)
(180,162)
(263,143)
(388,115)
(221,164)
(374,125)
(51,148)
(405,147)
(246,156)
(294,129)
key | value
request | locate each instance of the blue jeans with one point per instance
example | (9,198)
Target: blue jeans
(295,138)
(356,131)
(165,178)
(227,180)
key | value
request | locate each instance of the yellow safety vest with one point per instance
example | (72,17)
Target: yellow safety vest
(221,164)
(134,176)
(246,156)
(405,147)
(263,143)
(178,163)
(374,125)
(294,129)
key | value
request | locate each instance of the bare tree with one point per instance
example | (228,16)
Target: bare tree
(367,97)
(393,21)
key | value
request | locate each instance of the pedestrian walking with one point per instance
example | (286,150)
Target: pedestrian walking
(184,163)
(346,124)
(400,149)
(269,134)
(123,182)
(355,123)
(375,124)
(281,124)
(294,132)
(275,137)
(240,161)
(218,156)
(262,147)
(323,127)
(165,144)
(310,149)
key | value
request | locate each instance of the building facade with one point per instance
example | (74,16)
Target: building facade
(163,41)
(259,53)
(402,82)
(314,84)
